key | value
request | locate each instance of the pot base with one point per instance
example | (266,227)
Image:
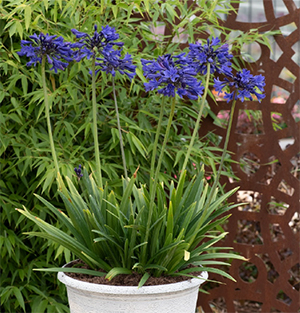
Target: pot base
(86,297)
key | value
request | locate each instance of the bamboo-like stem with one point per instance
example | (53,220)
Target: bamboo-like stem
(47,113)
(95,129)
(196,128)
(120,130)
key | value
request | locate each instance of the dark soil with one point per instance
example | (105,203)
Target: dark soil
(124,280)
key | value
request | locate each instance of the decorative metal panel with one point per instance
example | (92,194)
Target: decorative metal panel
(266,231)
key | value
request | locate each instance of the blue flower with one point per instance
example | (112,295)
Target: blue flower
(112,62)
(173,74)
(218,57)
(243,85)
(78,171)
(52,47)
(100,43)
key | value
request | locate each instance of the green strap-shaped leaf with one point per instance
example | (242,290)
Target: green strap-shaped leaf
(56,235)
(117,271)
(144,279)
(71,270)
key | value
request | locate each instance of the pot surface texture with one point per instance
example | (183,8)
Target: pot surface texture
(87,297)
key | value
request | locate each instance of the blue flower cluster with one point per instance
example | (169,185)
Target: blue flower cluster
(52,47)
(101,43)
(243,85)
(168,74)
(172,73)
(178,73)
(217,56)
(112,61)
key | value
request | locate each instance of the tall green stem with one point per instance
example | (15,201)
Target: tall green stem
(95,129)
(153,189)
(119,128)
(214,186)
(157,134)
(196,128)
(47,113)
(162,152)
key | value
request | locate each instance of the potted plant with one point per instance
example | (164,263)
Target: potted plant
(149,231)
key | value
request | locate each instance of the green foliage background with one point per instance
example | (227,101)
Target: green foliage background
(26,165)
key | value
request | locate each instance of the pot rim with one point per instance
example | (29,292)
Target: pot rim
(133,290)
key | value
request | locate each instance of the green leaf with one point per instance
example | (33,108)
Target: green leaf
(115,10)
(58,236)
(40,305)
(19,297)
(170,224)
(19,29)
(117,271)
(220,255)
(138,144)
(71,270)
(12,29)
(144,279)
(140,75)
(27,14)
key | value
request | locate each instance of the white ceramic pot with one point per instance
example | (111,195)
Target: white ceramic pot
(94,298)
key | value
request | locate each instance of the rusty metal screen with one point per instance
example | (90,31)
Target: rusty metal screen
(266,231)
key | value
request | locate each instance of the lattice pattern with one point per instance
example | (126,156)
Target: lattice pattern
(268,180)
(267,281)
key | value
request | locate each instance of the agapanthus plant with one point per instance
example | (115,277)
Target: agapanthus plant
(100,47)
(150,229)
(55,51)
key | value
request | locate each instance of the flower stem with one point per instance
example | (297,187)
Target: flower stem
(161,115)
(153,186)
(119,128)
(214,186)
(47,113)
(162,152)
(95,129)
(196,128)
